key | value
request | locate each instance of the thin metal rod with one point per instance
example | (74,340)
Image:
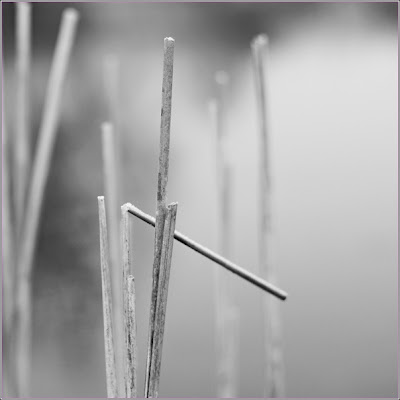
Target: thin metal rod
(229,265)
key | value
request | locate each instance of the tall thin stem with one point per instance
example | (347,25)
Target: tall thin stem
(274,367)
(40,172)
(111,188)
(166,107)
(111,373)
(227,326)
(22,139)
(162,294)
(131,346)
(129,306)
(8,262)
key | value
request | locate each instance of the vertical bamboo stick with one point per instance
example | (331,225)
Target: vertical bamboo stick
(111,374)
(169,45)
(40,172)
(129,306)
(111,188)
(274,367)
(22,140)
(227,314)
(162,294)
(131,347)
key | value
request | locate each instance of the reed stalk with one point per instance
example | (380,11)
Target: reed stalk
(273,358)
(8,262)
(111,188)
(130,358)
(111,73)
(131,345)
(111,373)
(22,139)
(166,106)
(227,334)
(162,295)
(40,172)
(7,235)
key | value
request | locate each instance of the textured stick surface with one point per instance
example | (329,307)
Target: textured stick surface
(111,377)
(131,346)
(8,262)
(274,368)
(22,140)
(130,362)
(162,295)
(227,334)
(166,104)
(229,265)
(126,240)
(40,172)
(111,188)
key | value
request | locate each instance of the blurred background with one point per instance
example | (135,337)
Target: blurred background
(333,117)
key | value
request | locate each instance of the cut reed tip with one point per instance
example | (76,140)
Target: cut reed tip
(23,6)
(170,206)
(125,207)
(100,198)
(260,41)
(106,126)
(71,14)
(212,106)
(222,78)
(169,40)
(111,60)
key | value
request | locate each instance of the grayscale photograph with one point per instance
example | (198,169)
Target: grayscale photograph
(199,200)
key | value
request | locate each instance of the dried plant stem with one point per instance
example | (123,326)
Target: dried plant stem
(129,307)
(229,265)
(111,84)
(7,236)
(274,379)
(162,294)
(22,140)
(169,44)
(131,346)
(227,334)
(111,375)
(111,187)
(8,262)
(40,172)
(111,77)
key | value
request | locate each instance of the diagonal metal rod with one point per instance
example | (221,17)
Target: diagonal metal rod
(229,265)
